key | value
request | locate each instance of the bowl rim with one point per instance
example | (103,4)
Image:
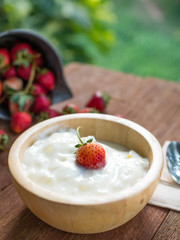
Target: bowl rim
(32,187)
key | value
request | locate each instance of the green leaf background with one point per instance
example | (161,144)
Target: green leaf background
(135,36)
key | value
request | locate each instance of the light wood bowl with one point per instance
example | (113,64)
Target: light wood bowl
(75,217)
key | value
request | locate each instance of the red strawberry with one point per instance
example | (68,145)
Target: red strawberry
(13,83)
(1,132)
(90,155)
(99,101)
(37,90)
(89,110)
(48,113)
(24,72)
(21,53)
(20,121)
(70,108)
(4,58)
(20,102)
(41,103)
(4,140)
(9,72)
(46,79)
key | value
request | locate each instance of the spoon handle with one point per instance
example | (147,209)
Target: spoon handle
(173,160)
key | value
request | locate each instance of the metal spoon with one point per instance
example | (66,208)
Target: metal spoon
(173,160)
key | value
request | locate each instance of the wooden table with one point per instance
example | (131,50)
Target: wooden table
(155,104)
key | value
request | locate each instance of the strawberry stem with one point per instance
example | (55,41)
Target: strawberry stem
(78,135)
(31,78)
(81,142)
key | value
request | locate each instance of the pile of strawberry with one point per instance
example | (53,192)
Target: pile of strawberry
(97,104)
(20,120)
(25,84)
(25,90)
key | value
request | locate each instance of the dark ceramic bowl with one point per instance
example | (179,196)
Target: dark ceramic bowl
(51,58)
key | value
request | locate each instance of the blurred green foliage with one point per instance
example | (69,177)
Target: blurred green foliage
(136,36)
(148,39)
(71,25)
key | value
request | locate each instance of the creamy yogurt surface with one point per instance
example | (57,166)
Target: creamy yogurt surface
(51,163)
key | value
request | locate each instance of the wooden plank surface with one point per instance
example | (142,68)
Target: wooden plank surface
(170,227)
(150,102)
(17,222)
(5,178)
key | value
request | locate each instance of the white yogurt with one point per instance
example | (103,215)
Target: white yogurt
(51,163)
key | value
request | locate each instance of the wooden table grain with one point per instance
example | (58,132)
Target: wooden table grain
(152,103)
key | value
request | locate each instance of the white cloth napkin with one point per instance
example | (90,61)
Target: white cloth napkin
(167,193)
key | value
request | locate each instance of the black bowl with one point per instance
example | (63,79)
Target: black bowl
(51,58)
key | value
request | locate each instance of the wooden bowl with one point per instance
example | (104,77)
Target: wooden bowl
(110,213)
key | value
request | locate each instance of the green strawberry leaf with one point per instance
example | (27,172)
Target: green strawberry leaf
(4,140)
(106,98)
(78,145)
(81,142)
(43,116)
(9,91)
(22,100)
(23,58)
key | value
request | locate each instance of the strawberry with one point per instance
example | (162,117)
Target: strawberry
(90,155)
(24,72)
(41,103)
(1,132)
(21,53)
(46,79)
(48,113)
(4,140)
(9,72)
(89,110)
(20,102)
(20,121)
(13,83)
(99,101)
(37,90)
(4,58)
(70,108)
